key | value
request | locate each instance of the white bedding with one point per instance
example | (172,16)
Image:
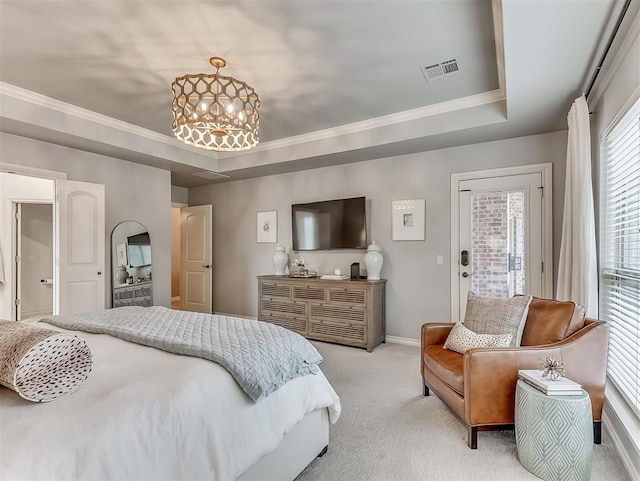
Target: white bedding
(147,414)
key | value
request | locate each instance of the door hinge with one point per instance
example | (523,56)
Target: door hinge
(17,302)
(541,188)
(465,190)
(17,259)
(542,266)
(18,215)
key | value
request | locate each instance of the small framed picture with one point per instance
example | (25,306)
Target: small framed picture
(267,226)
(121,252)
(407,219)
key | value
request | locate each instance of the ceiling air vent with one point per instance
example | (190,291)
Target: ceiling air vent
(439,70)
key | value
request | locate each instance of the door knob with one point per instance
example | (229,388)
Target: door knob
(99,273)
(465,274)
(208,266)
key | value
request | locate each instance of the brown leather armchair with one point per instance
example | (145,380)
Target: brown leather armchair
(479,385)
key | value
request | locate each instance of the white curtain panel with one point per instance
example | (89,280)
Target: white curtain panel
(578,270)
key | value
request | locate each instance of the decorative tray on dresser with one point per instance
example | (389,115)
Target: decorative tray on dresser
(350,312)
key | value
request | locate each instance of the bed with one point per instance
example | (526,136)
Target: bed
(144,413)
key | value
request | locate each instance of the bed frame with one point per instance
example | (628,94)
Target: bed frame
(306,441)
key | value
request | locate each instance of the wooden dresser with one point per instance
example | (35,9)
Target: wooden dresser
(133,295)
(348,312)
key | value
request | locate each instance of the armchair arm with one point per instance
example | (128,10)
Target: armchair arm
(435,333)
(490,374)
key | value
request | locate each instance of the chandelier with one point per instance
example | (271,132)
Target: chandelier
(215,112)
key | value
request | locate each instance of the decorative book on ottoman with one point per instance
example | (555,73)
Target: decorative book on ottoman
(559,387)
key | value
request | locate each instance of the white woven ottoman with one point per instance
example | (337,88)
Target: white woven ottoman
(554,434)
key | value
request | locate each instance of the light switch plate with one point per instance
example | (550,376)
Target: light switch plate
(439,260)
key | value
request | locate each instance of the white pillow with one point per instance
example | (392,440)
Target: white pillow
(497,315)
(460,339)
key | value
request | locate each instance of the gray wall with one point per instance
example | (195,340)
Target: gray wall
(418,290)
(132,192)
(179,195)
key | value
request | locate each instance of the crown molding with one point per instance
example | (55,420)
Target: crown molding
(40,100)
(346,129)
(419,113)
(428,111)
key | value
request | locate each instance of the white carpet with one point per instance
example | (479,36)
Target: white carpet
(389,431)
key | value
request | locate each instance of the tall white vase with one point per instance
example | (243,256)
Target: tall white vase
(373,260)
(122,274)
(280,260)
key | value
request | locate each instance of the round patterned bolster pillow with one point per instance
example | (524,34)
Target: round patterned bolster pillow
(41,364)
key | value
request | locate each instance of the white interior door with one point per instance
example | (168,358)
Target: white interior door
(196,279)
(81,255)
(502,238)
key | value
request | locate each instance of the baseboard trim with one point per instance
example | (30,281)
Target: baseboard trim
(407,341)
(241,316)
(42,313)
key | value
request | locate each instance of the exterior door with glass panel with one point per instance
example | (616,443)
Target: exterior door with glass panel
(500,251)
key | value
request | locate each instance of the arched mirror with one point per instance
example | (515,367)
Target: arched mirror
(131,265)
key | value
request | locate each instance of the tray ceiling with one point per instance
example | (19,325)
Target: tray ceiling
(347,72)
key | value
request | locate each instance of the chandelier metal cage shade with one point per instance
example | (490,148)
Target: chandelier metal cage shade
(215,112)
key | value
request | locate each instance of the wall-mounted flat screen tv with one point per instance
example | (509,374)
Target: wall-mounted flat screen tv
(330,224)
(139,250)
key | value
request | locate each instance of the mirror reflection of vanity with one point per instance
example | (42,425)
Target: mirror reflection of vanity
(131,278)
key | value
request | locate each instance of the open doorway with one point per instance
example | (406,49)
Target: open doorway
(76,278)
(191,258)
(34,249)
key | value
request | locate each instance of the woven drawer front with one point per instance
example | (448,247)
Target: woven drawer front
(276,305)
(342,313)
(333,329)
(125,294)
(296,324)
(143,292)
(308,292)
(352,296)
(275,290)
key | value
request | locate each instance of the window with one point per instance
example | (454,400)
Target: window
(620,252)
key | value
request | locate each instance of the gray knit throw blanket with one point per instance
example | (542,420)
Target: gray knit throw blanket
(260,356)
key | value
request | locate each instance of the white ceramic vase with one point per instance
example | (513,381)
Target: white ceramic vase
(280,260)
(122,274)
(373,260)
